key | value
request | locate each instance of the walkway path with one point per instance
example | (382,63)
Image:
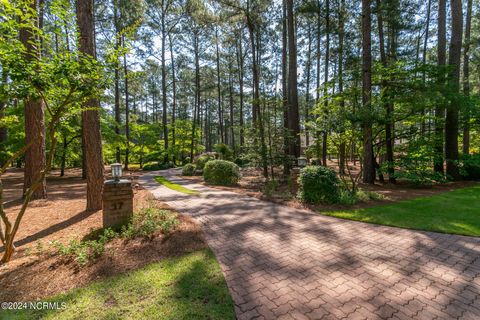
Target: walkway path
(285,263)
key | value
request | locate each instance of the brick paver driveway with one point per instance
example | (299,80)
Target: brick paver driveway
(285,263)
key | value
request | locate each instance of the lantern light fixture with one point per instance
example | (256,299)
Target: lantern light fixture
(302,162)
(116,171)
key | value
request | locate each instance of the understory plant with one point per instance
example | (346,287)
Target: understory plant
(221,172)
(318,184)
(188,169)
(145,224)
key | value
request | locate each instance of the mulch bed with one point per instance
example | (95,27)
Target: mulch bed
(34,273)
(253,184)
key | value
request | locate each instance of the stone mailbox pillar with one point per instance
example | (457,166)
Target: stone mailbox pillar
(117,202)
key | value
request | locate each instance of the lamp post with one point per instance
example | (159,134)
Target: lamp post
(116,171)
(301,162)
(117,199)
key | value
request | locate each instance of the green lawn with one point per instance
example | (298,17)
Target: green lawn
(455,211)
(175,186)
(187,287)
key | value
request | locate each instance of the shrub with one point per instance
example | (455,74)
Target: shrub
(224,151)
(470,166)
(202,160)
(148,220)
(348,198)
(221,172)
(154,166)
(318,185)
(145,223)
(188,170)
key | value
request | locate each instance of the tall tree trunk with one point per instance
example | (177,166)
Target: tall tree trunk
(127,109)
(293,112)
(240,83)
(424,60)
(389,139)
(219,89)
(257,115)
(325,90)
(466,75)
(341,37)
(196,110)
(34,118)
(440,109)
(164,84)
(3,128)
(90,116)
(317,97)
(174,100)
(286,161)
(307,96)
(368,163)
(116,24)
(451,120)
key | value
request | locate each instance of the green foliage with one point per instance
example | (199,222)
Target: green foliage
(348,198)
(148,221)
(221,172)
(145,223)
(82,252)
(202,160)
(470,166)
(188,169)
(224,151)
(154,166)
(318,184)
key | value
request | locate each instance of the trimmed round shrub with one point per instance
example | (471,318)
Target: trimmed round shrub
(188,169)
(221,172)
(318,184)
(202,160)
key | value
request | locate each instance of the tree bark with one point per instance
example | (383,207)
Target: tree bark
(368,163)
(466,75)
(174,100)
(164,84)
(240,83)
(325,83)
(91,116)
(127,110)
(34,119)
(440,109)
(116,24)
(341,37)
(451,120)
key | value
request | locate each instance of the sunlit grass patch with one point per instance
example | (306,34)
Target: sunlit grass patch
(456,211)
(175,186)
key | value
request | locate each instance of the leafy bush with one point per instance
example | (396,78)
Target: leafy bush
(149,220)
(144,224)
(349,198)
(188,170)
(85,251)
(151,166)
(470,166)
(154,166)
(202,160)
(224,151)
(318,184)
(221,172)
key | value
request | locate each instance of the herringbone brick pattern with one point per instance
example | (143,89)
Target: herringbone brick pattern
(285,263)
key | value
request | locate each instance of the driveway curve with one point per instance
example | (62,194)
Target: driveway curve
(286,263)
